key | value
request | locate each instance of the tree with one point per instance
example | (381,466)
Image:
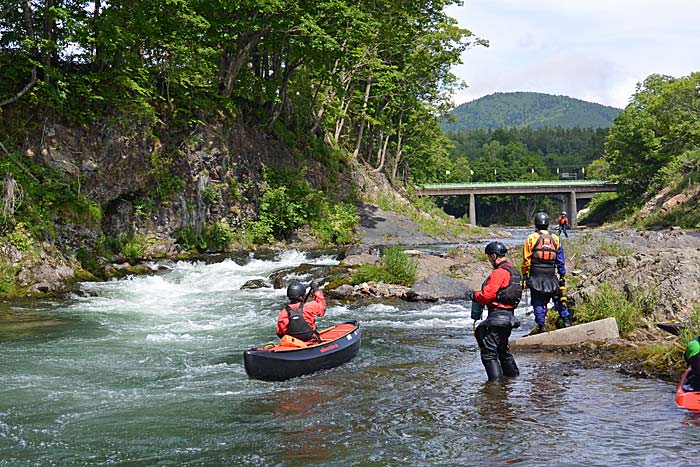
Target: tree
(661,122)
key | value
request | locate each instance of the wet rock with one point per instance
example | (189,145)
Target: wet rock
(303,273)
(438,287)
(256,284)
(358,260)
(369,290)
(341,292)
(45,277)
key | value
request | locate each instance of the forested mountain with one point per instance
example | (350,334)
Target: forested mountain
(528,109)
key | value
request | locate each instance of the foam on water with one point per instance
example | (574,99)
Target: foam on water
(188,288)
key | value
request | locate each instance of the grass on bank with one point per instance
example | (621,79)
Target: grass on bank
(609,302)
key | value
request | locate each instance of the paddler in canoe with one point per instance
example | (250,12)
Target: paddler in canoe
(298,318)
(692,358)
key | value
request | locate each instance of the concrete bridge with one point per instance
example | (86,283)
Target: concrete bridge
(579,189)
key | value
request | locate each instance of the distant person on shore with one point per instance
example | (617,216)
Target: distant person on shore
(543,258)
(500,293)
(298,319)
(692,358)
(563,221)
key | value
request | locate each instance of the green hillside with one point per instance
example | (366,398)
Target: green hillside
(528,109)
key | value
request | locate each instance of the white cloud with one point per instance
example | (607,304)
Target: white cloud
(595,50)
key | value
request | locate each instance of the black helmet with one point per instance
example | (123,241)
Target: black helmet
(497,248)
(296,291)
(541,220)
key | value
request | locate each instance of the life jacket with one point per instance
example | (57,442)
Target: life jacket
(510,296)
(298,327)
(543,277)
(545,249)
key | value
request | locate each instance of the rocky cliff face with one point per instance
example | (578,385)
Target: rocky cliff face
(154,182)
(150,183)
(662,268)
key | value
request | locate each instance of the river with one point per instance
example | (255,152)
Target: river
(148,371)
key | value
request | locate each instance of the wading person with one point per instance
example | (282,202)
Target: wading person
(543,259)
(563,221)
(298,319)
(500,293)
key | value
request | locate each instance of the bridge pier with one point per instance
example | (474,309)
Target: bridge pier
(582,189)
(572,209)
(472,209)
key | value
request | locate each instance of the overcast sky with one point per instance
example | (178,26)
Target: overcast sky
(595,50)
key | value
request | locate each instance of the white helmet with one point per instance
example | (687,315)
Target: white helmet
(563,213)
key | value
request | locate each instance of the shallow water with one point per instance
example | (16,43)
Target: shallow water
(149,371)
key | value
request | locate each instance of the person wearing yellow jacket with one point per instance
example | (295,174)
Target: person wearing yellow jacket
(543,259)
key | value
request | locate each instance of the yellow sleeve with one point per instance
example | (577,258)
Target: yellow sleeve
(527,254)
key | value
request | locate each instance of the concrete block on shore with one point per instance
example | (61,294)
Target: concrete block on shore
(600,330)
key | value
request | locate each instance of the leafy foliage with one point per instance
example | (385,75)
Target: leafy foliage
(368,77)
(660,124)
(48,197)
(395,267)
(289,202)
(336,224)
(528,109)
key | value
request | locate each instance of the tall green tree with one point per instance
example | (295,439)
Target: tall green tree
(661,122)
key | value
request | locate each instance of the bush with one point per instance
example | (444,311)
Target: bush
(609,302)
(604,207)
(401,267)
(335,224)
(395,267)
(220,235)
(134,247)
(20,238)
(7,277)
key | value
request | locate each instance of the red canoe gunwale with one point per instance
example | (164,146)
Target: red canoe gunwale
(689,400)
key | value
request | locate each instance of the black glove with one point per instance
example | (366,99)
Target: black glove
(470,296)
(313,286)
(562,282)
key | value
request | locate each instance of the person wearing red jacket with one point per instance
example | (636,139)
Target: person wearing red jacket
(500,293)
(298,319)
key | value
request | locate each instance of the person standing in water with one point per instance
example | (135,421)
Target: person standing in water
(543,259)
(500,293)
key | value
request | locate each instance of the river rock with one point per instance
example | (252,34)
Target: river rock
(45,277)
(438,287)
(369,290)
(660,273)
(256,284)
(304,273)
(360,259)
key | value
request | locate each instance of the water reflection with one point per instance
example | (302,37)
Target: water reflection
(23,323)
(303,441)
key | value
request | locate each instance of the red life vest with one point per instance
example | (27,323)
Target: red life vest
(545,250)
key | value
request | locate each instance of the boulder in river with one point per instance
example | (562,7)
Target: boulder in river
(438,287)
